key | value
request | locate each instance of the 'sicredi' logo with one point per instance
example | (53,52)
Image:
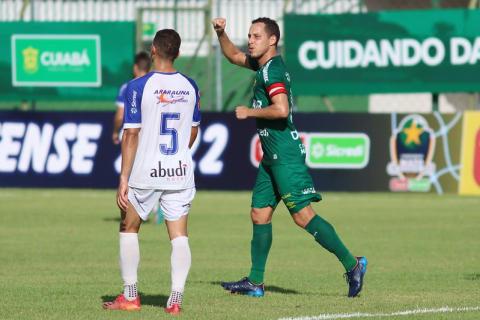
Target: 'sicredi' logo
(412,146)
(326,150)
(338,150)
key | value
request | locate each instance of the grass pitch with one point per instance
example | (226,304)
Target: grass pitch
(59,257)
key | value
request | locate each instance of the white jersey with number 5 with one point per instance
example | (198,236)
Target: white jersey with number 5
(165,106)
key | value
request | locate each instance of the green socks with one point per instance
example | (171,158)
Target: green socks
(321,230)
(261,243)
(326,236)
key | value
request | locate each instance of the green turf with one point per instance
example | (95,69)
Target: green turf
(59,251)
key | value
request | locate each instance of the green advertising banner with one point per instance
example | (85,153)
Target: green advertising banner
(65,60)
(54,60)
(338,150)
(384,52)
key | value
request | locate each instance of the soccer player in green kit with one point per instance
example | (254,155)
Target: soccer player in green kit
(282,172)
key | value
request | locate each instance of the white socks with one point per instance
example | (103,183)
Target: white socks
(175,297)
(129,260)
(181,260)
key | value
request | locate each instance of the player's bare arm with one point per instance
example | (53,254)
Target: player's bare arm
(129,149)
(230,51)
(277,110)
(193,136)
(117,124)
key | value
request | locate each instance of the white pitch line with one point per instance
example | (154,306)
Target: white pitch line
(370,315)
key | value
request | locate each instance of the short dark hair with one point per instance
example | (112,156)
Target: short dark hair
(167,44)
(143,60)
(271,27)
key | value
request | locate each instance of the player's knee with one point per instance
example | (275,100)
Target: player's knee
(303,217)
(261,216)
(299,220)
(129,226)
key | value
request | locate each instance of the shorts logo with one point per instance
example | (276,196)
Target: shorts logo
(286,196)
(290,205)
(309,190)
(412,146)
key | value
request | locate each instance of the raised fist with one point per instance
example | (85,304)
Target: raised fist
(219,25)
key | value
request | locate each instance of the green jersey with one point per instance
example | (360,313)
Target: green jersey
(281,143)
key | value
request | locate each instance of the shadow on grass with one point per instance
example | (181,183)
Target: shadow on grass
(267,288)
(155,300)
(117,219)
(473,277)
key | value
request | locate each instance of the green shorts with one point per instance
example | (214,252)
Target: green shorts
(288,182)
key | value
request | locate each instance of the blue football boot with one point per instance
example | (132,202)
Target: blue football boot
(355,277)
(244,286)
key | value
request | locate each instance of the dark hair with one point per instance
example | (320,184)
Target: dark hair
(143,61)
(271,27)
(167,44)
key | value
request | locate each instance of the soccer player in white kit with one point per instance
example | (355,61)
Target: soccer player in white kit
(162,114)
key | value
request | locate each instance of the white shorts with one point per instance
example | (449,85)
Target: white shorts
(174,203)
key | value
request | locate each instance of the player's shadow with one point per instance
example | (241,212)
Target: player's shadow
(473,277)
(154,300)
(117,219)
(267,288)
(281,290)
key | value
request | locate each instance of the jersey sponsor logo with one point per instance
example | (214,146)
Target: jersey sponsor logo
(294,134)
(172,174)
(199,100)
(133,109)
(262,132)
(257,104)
(302,148)
(256,152)
(171,96)
(265,71)
(173,92)
(172,100)
(412,146)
